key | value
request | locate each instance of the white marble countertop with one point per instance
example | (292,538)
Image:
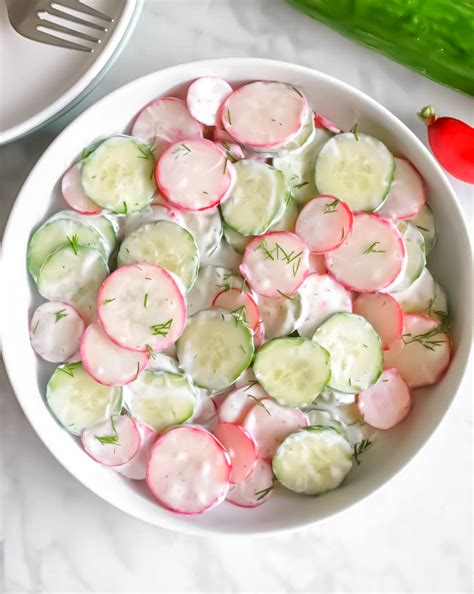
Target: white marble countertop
(414,535)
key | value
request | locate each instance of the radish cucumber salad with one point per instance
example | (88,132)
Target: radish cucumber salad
(237,296)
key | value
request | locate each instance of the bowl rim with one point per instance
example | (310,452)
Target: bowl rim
(9,246)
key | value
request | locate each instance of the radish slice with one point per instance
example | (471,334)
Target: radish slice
(384,313)
(164,121)
(136,468)
(386,403)
(204,98)
(259,335)
(233,151)
(241,447)
(322,122)
(255,489)
(317,264)
(280,316)
(275,263)
(371,257)
(239,303)
(113,442)
(422,354)
(322,296)
(194,175)
(55,331)
(265,114)
(239,403)
(324,223)
(108,363)
(407,193)
(134,321)
(188,470)
(73,192)
(269,423)
(150,214)
(206,411)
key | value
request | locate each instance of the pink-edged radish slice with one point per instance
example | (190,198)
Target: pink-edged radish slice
(240,303)
(142,307)
(188,470)
(384,313)
(135,469)
(150,214)
(317,264)
(108,363)
(204,98)
(73,192)
(423,352)
(275,263)
(324,223)
(56,329)
(194,175)
(322,122)
(269,423)
(206,411)
(407,193)
(241,447)
(386,403)
(371,258)
(322,296)
(113,442)
(165,121)
(255,489)
(239,403)
(233,151)
(259,335)
(265,114)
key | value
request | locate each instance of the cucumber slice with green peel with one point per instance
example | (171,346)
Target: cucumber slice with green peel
(161,399)
(215,349)
(419,295)
(292,370)
(355,350)
(118,175)
(56,233)
(77,401)
(356,168)
(257,200)
(424,221)
(313,461)
(164,244)
(415,259)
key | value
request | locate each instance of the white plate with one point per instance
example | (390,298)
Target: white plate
(39,197)
(39,81)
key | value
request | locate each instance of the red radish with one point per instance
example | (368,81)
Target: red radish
(275,263)
(269,423)
(141,306)
(55,331)
(452,143)
(241,447)
(384,313)
(407,193)
(322,122)
(188,470)
(239,403)
(108,363)
(149,214)
(386,403)
(241,303)
(317,263)
(73,192)
(259,335)
(113,442)
(135,469)
(255,489)
(371,258)
(205,96)
(232,150)
(194,175)
(324,223)
(422,354)
(265,114)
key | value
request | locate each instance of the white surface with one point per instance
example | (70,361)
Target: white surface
(414,535)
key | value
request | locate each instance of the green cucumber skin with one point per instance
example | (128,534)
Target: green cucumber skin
(433,37)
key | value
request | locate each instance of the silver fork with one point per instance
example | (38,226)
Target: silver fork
(31,18)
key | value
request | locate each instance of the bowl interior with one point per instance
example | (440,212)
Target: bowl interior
(40,197)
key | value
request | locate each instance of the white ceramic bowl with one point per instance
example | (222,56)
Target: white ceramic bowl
(39,197)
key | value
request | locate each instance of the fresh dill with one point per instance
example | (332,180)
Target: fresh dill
(74,243)
(145,301)
(35,327)
(146,151)
(259,403)
(332,206)
(301,185)
(229,117)
(68,369)
(151,351)
(109,439)
(355,130)
(285,295)
(59,315)
(359,448)
(263,492)
(372,249)
(107,301)
(161,329)
(428,339)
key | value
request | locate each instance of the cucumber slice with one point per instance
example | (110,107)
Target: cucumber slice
(258,198)
(118,175)
(160,399)
(415,259)
(356,168)
(355,349)
(58,232)
(164,244)
(77,401)
(424,221)
(313,461)
(215,348)
(419,295)
(292,370)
